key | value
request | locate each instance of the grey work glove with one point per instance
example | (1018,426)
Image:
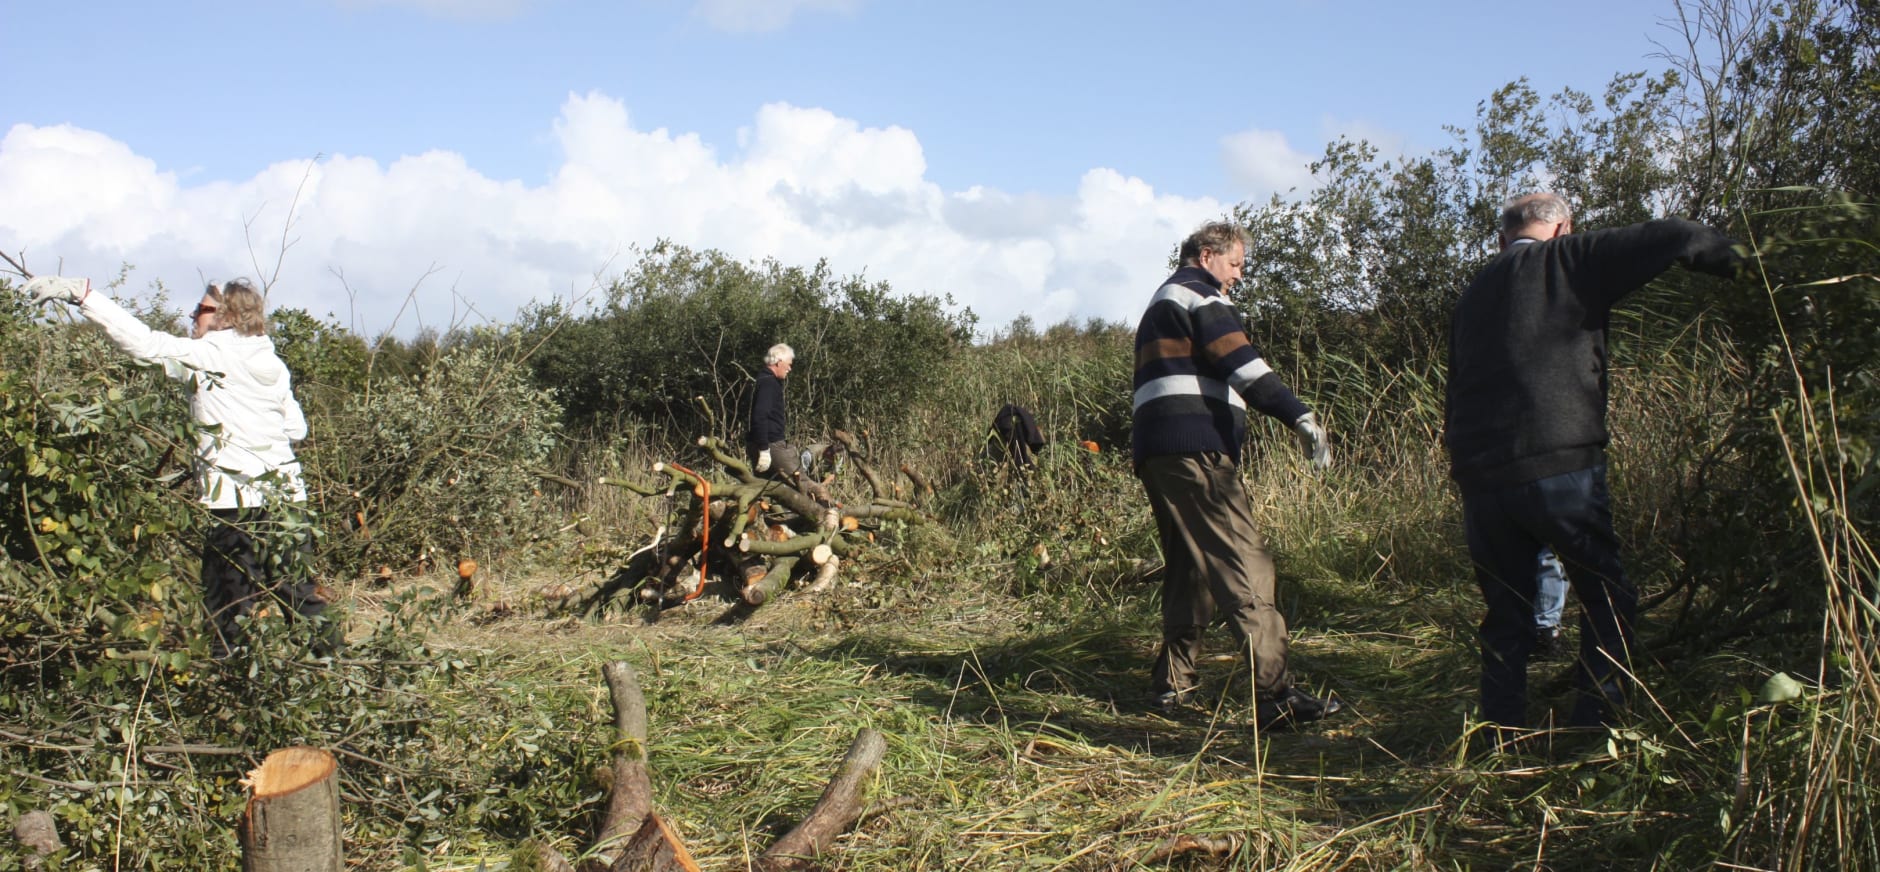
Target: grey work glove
(1312,441)
(48,288)
(763,460)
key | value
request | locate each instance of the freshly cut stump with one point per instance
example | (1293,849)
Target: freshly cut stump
(292,822)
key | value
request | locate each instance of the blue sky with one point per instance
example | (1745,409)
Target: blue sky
(1036,158)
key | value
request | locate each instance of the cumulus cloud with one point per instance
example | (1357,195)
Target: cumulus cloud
(804,184)
(1262,163)
(762,15)
(1390,143)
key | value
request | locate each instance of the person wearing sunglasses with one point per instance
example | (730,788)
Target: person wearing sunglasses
(254,550)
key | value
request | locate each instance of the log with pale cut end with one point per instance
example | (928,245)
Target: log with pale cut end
(792,545)
(773,581)
(630,798)
(835,812)
(821,554)
(825,575)
(292,822)
(655,848)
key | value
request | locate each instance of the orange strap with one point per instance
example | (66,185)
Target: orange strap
(705,527)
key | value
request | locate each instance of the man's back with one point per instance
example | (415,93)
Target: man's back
(1527,359)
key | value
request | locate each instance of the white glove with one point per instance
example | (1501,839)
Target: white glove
(763,460)
(1312,441)
(48,288)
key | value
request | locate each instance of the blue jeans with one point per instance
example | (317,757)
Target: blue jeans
(1506,527)
(1550,600)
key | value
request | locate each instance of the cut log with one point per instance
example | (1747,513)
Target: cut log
(825,576)
(921,484)
(655,848)
(839,807)
(821,554)
(292,822)
(630,798)
(792,545)
(889,513)
(773,581)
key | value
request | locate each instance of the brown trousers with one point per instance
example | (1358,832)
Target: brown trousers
(1215,558)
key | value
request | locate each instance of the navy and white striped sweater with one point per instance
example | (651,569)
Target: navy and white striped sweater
(1197,373)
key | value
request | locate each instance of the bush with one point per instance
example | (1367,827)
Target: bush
(442,461)
(683,324)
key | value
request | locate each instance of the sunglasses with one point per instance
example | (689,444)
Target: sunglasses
(202,310)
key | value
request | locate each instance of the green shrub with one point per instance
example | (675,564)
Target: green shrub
(442,462)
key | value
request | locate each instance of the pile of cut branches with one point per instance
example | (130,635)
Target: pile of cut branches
(750,536)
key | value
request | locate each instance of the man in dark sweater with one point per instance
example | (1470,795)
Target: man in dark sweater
(769,453)
(1526,432)
(1196,374)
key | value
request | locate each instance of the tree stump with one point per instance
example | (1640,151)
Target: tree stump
(655,848)
(292,822)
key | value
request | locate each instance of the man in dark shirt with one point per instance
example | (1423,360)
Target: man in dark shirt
(1015,437)
(768,452)
(1526,432)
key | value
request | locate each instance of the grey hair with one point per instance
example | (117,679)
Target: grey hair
(1531,209)
(778,353)
(1217,236)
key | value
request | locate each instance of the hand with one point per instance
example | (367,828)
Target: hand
(1312,441)
(763,460)
(48,288)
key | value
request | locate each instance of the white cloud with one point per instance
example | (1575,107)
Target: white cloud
(1262,163)
(1391,144)
(805,184)
(762,15)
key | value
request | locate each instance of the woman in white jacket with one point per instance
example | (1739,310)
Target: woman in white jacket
(251,482)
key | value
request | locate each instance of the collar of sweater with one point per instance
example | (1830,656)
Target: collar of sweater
(1191,274)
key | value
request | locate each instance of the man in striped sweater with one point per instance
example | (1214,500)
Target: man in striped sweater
(1196,375)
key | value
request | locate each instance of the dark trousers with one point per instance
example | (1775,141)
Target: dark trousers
(250,558)
(1571,513)
(786,460)
(1215,559)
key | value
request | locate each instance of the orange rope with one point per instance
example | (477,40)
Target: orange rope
(705,527)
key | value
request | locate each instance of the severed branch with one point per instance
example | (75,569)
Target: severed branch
(17,263)
(766,588)
(921,484)
(630,799)
(840,806)
(1214,846)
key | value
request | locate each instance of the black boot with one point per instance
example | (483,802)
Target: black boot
(1294,706)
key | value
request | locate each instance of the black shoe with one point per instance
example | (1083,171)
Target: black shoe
(1550,643)
(1294,706)
(1172,702)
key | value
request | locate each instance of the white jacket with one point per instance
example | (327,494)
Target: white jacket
(242,391)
